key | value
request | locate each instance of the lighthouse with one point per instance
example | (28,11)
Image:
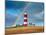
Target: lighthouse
(25,19)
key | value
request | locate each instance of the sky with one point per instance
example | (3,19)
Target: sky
(14,13)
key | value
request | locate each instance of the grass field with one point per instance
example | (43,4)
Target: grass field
(31,29)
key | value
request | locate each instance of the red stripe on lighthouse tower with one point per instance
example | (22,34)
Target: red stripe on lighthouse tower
(25,19)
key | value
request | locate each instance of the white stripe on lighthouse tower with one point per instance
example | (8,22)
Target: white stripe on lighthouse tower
(25,19)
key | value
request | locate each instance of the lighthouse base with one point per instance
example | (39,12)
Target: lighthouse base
(24,24)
